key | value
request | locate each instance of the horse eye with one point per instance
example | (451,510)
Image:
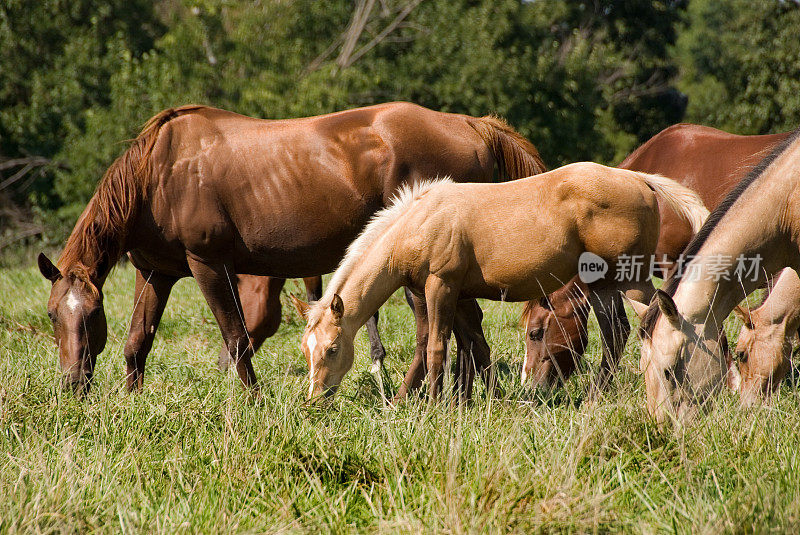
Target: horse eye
(741,356)
(537,334)
(51,315)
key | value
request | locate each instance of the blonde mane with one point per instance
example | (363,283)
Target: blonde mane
(377,226)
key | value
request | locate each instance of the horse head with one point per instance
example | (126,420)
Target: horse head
(763,356)
(76,310)
(683,361)
(555,339)
(328,352)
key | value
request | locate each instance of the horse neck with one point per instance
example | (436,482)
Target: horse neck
(783,302)
(702,299)
(755,228)
(367,287)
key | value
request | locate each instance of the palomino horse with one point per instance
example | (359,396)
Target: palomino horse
(710,162)
(748,238)
(514,241)
(764,348)
(208,193)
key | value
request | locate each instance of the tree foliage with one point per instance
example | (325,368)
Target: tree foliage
(584,80)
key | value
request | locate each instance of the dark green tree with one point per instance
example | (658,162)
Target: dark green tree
(741,64)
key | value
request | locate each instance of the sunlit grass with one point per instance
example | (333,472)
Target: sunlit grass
(194,453)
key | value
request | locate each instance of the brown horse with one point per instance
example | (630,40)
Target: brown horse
(208,193)
(511,242)
(750,236)
(710,162)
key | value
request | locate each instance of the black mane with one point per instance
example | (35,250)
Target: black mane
(671,284)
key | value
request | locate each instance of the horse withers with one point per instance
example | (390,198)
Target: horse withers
(708,161)
(211,194)
(514,241)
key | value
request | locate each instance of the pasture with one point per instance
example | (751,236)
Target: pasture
(193,453)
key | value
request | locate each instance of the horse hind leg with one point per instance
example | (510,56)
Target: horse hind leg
(150,297)
(376,349)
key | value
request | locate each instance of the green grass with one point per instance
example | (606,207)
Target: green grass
(193,453)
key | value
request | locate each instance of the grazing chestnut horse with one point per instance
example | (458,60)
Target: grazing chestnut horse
(513,241)
(764,348)
(750,236)
(710,162)
(208,193)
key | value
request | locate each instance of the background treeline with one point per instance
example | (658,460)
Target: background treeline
(584,80)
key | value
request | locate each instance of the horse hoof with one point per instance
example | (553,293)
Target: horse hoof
(223,362)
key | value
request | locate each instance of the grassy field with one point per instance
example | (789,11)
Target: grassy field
(192,453)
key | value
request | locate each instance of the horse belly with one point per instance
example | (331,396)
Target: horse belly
(520,273)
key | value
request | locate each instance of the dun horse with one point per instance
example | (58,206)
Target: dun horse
(208,193)
(764,348)
(748,238)
(710,162)
(514,241)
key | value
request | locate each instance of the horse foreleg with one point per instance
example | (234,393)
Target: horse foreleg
(441,299)
(150,297)
(217,285)
(417,370)
(614,331)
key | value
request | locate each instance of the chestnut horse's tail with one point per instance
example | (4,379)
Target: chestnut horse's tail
(99,235)
(684,201)
(516,156)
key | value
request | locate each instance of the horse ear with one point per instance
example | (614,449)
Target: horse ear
(301,306)
(744,315)
(668,308)
(337,306)
(637,306)
(48,269)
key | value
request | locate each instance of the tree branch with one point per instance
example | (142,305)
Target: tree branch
(354,31)
(386,31)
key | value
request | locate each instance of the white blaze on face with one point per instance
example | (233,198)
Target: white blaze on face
(311,342)
(524,375)
(72,300)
